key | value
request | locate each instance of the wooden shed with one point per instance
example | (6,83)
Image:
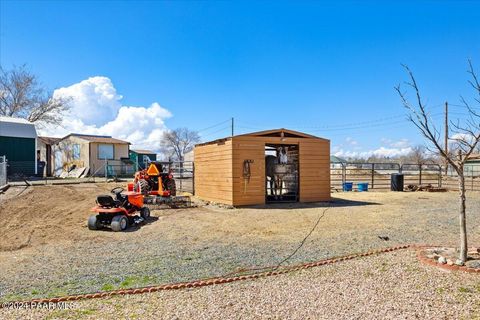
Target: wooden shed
(261,167)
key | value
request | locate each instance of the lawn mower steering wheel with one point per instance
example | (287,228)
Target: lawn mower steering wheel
(117,190)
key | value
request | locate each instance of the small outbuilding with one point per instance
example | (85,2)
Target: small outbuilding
(141,158)
(18,139)
(263,167)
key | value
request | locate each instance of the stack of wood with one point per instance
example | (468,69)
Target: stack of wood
(427,187)
(420,187)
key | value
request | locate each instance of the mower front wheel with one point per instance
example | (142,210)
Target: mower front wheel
(145,213)
(93,222)
(119,223)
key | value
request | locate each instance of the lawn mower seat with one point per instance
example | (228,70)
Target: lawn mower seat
(107,201)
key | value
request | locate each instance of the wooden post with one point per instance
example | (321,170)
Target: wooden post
(232,126)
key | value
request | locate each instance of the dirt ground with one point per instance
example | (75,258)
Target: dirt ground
(44,231)
(46,214)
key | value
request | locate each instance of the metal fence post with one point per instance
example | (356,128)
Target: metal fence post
(193,178)
(3,170)
(373,173)
(420,175)
(106,170)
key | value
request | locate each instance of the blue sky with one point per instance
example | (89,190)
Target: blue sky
(327,68)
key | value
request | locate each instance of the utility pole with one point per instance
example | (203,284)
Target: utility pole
(446,135)
(232,127)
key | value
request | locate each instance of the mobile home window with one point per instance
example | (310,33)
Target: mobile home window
(76,152)
(105,151)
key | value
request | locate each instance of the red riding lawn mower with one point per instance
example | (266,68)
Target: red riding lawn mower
(118,212)
(150,187)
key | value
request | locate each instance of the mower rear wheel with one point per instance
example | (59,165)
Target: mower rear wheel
(145,213)
(172,187)
(93,222)
(119,223)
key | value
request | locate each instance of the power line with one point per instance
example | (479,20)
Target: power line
(217,131)
(215,125)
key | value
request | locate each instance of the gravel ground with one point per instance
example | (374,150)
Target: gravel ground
(195,243)
(386,286)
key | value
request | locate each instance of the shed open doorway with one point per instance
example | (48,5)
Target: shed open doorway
(281,173)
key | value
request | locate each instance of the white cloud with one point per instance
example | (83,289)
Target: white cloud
(94,101)
(389,148)
(380,152)
(97,109)
(461,136)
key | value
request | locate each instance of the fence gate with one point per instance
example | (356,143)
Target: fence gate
(3,170)
(183,174)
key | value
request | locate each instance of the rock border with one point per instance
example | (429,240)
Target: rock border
(431,262)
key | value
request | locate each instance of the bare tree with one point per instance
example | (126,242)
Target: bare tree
(21,95)
(179,141)
(417,155)
(465,138)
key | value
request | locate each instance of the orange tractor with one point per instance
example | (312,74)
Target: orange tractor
(150,187)
(154,181)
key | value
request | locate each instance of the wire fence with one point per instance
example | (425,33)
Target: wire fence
(183,173)
(21,171)
(378,175)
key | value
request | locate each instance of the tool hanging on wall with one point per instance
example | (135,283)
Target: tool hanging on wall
(246,173)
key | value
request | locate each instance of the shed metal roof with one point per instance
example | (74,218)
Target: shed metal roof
(17,127)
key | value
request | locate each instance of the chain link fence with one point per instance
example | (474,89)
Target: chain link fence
(3,170)
(183,173)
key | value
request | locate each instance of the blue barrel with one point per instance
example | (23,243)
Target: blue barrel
(347,186)
(362,186)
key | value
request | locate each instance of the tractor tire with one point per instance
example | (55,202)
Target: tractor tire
(172,187)
(93,222)
(119,223)
(145,213)
(142,186)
